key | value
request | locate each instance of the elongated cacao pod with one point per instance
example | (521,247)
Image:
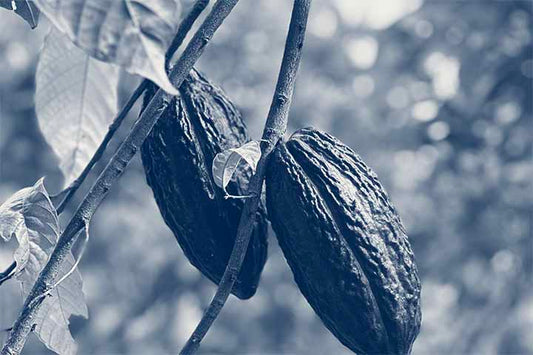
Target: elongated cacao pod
(177,158)
(345,243)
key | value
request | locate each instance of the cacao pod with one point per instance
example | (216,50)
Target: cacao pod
(177,158)
(344,243)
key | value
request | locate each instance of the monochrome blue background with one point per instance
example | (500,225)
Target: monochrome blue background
(435,96)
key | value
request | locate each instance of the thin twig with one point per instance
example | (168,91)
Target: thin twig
(275,128)
(8,273)
(184,28)
(112,172)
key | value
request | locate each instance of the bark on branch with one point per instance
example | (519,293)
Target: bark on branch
(185,26)
(275,128)
(111,173)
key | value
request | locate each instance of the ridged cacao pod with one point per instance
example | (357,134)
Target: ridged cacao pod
(345,243)
(177,158)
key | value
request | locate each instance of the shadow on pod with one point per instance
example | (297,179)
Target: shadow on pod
(177,158)
(344,243)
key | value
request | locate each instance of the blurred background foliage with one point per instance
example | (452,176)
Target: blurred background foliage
(436,96)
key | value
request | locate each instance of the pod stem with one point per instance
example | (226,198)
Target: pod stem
(111,173)
(275,128)
(185,26)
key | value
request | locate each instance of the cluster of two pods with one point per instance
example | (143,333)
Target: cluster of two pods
(342,238)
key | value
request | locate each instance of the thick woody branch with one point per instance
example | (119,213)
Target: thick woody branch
(112,172)
(275,128)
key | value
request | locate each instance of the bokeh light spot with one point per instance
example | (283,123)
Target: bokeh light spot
(375,14)
(424,29)
(438,131)
(324,24)
(425,111)
(503,261)
(363,86)
(362,51)
(508,112)
(527,68)
(398,97)
(17,55)
(444,71)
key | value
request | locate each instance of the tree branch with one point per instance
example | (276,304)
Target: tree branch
(275,128)
(111,173)
(184,28)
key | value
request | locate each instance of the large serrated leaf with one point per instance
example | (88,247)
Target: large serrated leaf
(132,33)
(30,216)
(24,8)
(75,99)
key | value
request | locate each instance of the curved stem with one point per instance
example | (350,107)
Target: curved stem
(8,273)
(184,28)
(275,128)
(111,173)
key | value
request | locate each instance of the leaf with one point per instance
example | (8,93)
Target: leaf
(30,216)
(53,317)
(25,9)
(132,33)
(75,100)
(225,163)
